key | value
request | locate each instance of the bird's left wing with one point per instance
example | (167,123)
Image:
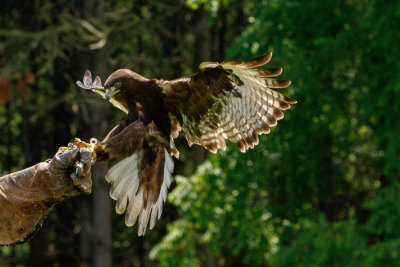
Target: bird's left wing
(96,86)
(229,100)
(143,174)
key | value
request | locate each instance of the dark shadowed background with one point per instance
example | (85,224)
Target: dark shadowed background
(322,189)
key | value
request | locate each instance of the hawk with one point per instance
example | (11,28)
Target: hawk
(230,100)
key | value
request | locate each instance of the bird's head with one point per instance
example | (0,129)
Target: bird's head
(122,82)
(112,90)
(113,85)
(121,87)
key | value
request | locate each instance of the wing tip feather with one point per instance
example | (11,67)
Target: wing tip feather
(258,61)
(289,100)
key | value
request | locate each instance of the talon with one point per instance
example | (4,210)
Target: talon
(94,146)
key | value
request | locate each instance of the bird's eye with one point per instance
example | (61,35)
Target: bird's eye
(117,85)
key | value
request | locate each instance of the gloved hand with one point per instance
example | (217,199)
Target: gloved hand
(27,196)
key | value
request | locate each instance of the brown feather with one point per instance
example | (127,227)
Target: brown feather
(124,140)
(271,83)
(267,72)
(232,62)
(258,61)
(289,100)
(278,114)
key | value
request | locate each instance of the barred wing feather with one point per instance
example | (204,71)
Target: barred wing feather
(230,100)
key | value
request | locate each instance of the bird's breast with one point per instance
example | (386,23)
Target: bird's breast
(147,105)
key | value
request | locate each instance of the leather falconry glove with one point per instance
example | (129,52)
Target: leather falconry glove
(27,196)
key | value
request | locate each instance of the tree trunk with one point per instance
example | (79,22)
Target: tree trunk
(100,234)
(84,235)
(101,198)
(101,218)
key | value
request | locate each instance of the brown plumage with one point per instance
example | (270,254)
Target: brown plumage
(229,100)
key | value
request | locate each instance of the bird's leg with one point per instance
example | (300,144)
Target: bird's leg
(94,146)
(100,151)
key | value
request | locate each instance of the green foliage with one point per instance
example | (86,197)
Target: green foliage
(324,244)
(385,211)
(219,204)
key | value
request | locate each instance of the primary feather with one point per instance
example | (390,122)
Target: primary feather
(228,100)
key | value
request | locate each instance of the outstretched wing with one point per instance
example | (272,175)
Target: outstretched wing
(229,100)
(96,86)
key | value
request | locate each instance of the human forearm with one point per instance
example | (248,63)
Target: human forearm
(27,196)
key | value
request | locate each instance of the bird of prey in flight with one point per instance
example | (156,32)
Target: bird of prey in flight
(231,100)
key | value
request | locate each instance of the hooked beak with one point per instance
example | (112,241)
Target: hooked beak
(109,93)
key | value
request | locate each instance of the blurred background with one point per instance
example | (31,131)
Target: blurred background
(321,190)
